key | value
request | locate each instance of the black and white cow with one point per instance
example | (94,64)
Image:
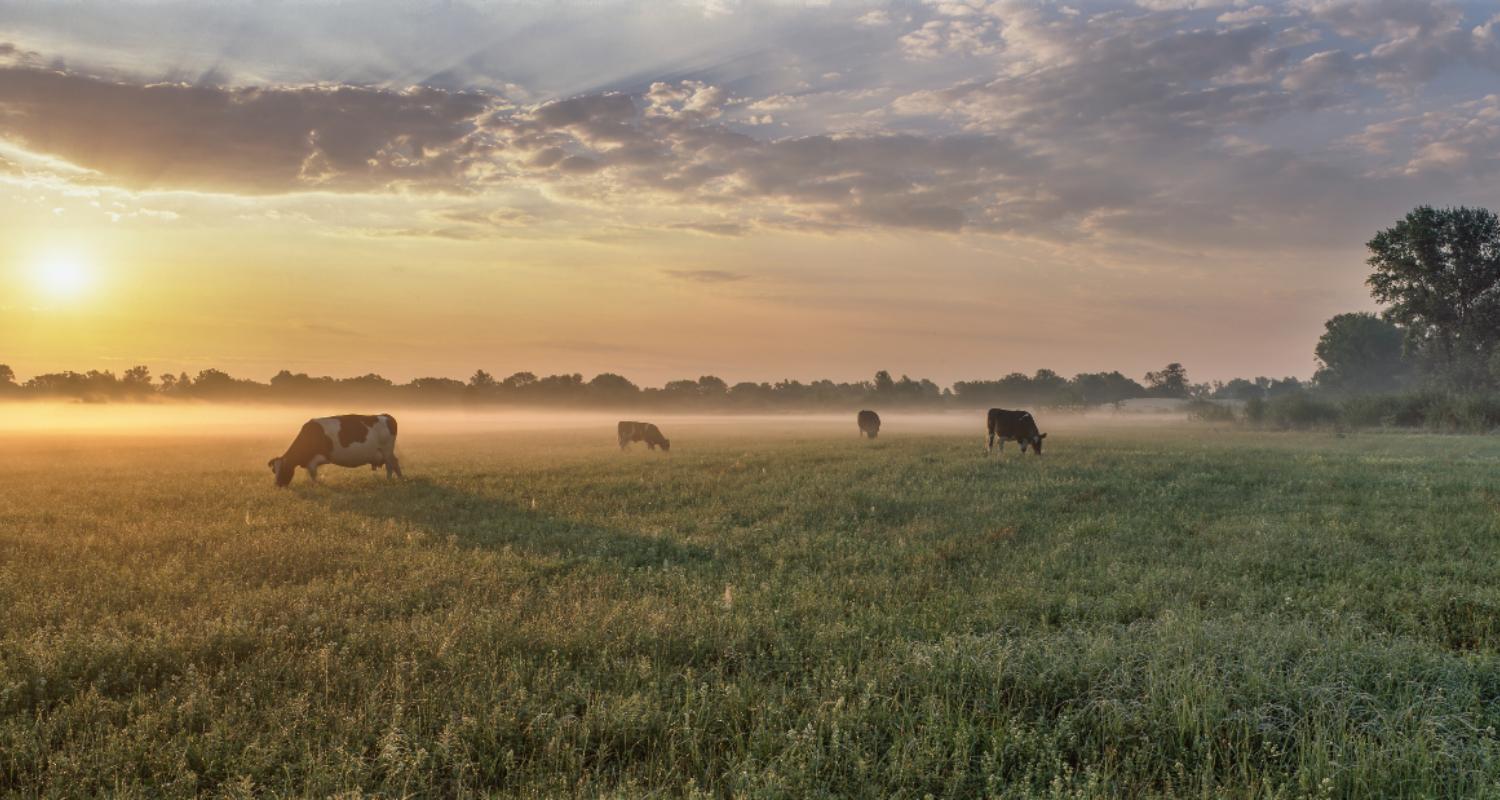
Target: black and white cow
(1016,425)
(869,424)
(642,432)
(350,440)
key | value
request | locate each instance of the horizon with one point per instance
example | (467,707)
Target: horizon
(759,189)
(155,377)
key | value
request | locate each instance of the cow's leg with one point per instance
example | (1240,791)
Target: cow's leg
(989,448)
(312,472)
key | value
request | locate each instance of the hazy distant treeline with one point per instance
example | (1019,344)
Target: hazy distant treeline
(1045,388)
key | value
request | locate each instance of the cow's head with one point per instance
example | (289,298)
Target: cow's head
(282,470)
(1035,443)
(666,445)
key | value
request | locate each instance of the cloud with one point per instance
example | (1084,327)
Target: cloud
(705,275)
(1057,122)
(1414,40)
(712,228)
(247,140)
(1454,145)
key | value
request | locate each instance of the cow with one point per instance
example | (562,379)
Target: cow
(350,440)
(869,424)
(642,432)
(1016,425)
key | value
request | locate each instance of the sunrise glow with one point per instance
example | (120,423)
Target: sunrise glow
(62,277)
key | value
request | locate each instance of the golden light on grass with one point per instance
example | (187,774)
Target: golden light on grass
(63,275)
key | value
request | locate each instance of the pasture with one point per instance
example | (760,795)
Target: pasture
(1150,611)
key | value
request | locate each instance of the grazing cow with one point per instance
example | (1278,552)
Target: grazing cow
(869,424)
(642,432)
(351,440)
(1016,425)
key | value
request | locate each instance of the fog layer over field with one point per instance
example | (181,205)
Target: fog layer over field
(277,422)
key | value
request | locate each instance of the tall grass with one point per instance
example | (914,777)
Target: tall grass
(1155,613)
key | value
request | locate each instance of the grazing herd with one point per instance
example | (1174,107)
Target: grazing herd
(355,440)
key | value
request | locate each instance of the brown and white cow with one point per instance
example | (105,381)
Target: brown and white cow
(642,432)
(350,440)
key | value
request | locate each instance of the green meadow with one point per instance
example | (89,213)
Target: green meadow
(770,611)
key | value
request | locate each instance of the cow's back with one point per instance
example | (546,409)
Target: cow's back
(1005,422)
(359,439)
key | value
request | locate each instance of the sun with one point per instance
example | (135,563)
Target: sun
(62,276)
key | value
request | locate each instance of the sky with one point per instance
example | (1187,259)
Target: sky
(750,188)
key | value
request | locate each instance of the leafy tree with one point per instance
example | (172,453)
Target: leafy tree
(1171,381)
(520,380)
(1240,389)
(1106,387)
(883,383)
(609,386)
(366,385)
(482,380)
(712,386)
(1439,269)
(7,377)
(217,384)
(436,388)
(1283,387)
(750,393)
(1360,353)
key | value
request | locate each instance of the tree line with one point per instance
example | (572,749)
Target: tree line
(708,392)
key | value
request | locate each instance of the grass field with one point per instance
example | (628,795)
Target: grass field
(1182,612)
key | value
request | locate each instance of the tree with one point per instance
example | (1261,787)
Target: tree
(1171,381)
(1360,353)
(1240,389)
(482,380)
(519,380)
(609,386)
(1095,388)
(1439,269)
(712,386)
(7,378)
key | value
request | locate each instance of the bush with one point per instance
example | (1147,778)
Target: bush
(1473,413)
(1437,411)
(1301,410)
(1255,411)
(1210,411)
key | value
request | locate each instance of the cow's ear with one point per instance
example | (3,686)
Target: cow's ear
(1043,436)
